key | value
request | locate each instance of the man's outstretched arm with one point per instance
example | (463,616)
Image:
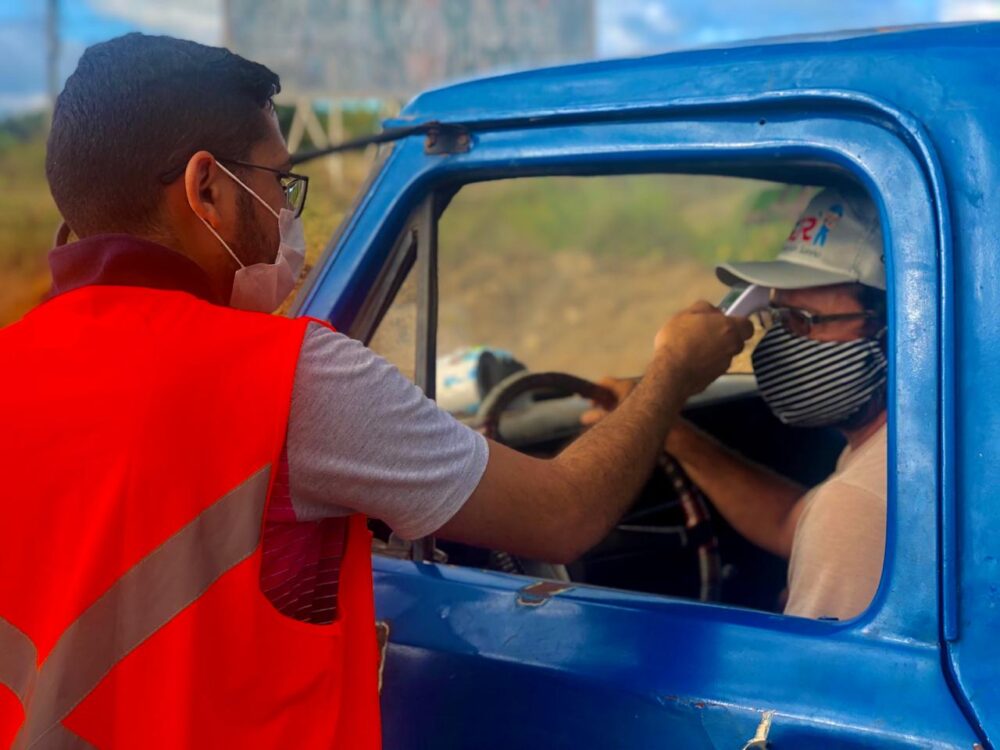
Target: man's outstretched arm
(555,509)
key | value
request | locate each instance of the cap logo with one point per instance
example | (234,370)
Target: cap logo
(837,239)
(815,230)
(830,217)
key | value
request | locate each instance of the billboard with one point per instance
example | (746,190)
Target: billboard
(396,48)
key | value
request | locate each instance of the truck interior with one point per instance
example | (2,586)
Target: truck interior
(563,280)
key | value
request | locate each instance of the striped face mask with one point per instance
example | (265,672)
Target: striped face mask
(811,383)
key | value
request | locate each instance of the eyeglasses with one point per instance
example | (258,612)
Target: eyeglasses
(800,322)
(294,186)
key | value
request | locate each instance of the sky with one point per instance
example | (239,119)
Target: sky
(624,27)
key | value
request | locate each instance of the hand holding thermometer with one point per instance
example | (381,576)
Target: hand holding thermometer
(741,300)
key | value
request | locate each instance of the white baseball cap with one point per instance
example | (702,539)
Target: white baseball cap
(837,240)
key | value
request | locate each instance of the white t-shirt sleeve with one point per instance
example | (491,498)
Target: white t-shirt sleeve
(362,438)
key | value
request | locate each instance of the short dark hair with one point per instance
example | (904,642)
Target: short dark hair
(136,107)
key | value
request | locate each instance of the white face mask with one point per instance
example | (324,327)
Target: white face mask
(262,287)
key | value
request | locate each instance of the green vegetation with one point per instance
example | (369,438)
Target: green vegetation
(574,274)
(707,219)
(355,122)
(28,217)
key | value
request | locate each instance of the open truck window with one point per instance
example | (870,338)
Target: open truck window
(574,275)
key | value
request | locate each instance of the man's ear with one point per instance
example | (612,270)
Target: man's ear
(62,235)
(202,187)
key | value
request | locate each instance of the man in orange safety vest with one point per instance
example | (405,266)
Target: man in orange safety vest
(187,478)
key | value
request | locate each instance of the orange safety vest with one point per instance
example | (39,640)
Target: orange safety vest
(141,429)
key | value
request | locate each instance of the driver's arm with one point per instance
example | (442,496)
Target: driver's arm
(555,509)
(760,504)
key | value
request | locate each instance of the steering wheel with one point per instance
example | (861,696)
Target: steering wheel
(697,527)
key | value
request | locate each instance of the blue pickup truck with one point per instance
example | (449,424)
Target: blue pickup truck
(485,651)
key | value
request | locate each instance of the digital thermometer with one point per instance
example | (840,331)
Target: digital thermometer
(744,300)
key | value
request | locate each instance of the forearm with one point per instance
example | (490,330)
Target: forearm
(610,463)
(556,509)
(760,504)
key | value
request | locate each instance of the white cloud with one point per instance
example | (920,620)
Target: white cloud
(633,27)
(659,20)
(970,10)
(617,41)
(15,103)
(198,20)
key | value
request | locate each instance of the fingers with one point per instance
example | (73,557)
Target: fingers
(742,330)
(702,306)
(592,417)
(620,387)
(704,340)
(739,330)
(743,327)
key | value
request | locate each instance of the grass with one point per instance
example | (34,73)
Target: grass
(574,274)
(28,221)
(28,217)
(706,219)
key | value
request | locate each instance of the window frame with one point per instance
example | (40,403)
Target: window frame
(813,147)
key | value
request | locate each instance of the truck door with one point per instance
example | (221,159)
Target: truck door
(480,659)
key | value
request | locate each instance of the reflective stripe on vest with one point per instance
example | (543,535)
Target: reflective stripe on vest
(138,604)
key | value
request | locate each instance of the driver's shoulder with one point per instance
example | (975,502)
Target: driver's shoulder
(843,505)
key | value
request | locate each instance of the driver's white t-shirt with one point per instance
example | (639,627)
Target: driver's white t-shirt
(364,439)
(839,544)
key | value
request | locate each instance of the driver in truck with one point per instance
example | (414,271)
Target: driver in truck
(821,363)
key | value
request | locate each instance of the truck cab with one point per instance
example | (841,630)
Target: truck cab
(481,653)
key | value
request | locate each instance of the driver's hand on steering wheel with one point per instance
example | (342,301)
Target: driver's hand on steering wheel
(680,434)
(621,387)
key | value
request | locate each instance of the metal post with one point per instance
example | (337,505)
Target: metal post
(52,47)
(427,318)
(335,134)
(227,24)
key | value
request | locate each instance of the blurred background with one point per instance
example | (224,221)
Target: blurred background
(346,65)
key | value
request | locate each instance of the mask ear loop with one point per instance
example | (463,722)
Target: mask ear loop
(248,189)
(224,243)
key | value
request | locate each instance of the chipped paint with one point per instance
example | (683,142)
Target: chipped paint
(759,739)
(539,592)
(382,637)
